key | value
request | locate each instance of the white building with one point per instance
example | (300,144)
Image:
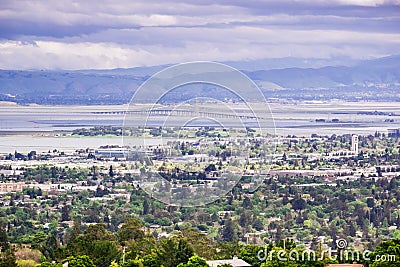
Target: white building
(235,262)
(354,144)
(12,187)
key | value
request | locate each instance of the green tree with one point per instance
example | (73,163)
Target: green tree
(249,254)
(79,246)
(75,232)
(245,218)
(79,261)
(133,263)
(370,202)
(131,230)
(97,243)
(247,204)
(194,261)
(273,260)
(229,230)
(146,206)
(65,210)
(50,247)
(98,232)
(46,244)
(38,240)
(257,224)
(390,247)
(49,264)
(173,251)
(4,244)
(151,260)
(202,245)
(184,251)
(7,258)
(142,247)
(226,250)
(298,204)
(165,251)
(103,253)
(111,171)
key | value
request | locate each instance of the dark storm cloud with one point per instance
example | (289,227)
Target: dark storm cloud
(62,33)
(77,18)
(13,29)
(336,8)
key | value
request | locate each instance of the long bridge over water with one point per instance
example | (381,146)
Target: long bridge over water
(181,113)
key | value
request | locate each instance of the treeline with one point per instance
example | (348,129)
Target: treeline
(134,246)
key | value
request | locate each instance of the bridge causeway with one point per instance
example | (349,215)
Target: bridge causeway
(180,113)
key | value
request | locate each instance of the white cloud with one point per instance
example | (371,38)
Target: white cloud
(371,3)
(87,34)
(215,44)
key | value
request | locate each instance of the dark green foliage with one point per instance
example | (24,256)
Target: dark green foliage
(111,171)
(194,261)
(98,232)
(249,254)
(146,206)
(229,231)
(183,251)
(7,258)
(80,261)
(210,168)
(364,211)
(96,242)
(370,202)
(247,204)
(49,264)
(172,252)
(142,247)
(390,248)
(150,261)
(133,263)
(131,230)
(298,204)
(4,244)
(50,247)
(65,211)
(47,244)
(257,224)
(103,253)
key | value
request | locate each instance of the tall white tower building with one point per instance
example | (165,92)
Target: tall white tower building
(354,144)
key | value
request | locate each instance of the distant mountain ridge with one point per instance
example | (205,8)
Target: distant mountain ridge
(383,71)
(118,85)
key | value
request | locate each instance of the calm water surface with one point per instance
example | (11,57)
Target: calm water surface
(18,122)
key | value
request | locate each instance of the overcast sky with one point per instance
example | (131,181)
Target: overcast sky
(67,34)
